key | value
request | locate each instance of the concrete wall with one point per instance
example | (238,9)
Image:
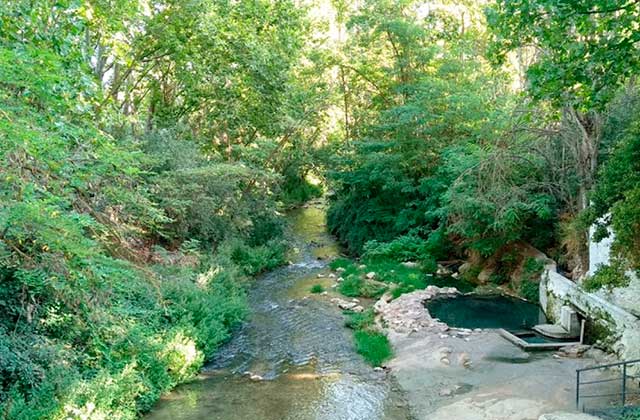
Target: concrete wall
(623,337)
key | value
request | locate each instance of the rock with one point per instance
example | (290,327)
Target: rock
(407,314)
(371,275)
(357,308)
(332,276)
(340,270)
(345,304)
(445,361)
(255,377)
(442,270)
(485,274)
(410,264)
(575,351)
(465,360)
(339,279)
(464,268)
(362,266)
(320,275)
(378,369)
(325,293)
(455,275)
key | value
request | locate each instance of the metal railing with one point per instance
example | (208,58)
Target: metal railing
(629,386)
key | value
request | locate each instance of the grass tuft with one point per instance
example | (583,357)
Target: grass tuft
(373,346)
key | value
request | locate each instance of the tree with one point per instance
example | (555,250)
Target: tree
(585,51)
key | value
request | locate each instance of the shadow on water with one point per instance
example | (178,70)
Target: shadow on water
(295,348)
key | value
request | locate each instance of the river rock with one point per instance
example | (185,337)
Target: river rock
(371,275)
(339,279)
(575,351)
(407,313)
(344,304)
(410,264)
(340,270)
(332,276)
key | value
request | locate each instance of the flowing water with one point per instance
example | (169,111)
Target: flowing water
(293,359)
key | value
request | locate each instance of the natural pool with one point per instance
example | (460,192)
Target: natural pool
(495,311)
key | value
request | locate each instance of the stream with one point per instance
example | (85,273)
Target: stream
(293,358)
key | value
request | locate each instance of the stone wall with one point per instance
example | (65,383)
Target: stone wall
(619,329)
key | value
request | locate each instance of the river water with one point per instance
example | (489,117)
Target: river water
(293,358)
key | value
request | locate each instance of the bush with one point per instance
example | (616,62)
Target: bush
(530,279)
(373,346)
(360,321)
(607,276)
(317,288)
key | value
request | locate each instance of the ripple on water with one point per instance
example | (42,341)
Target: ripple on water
(298,346)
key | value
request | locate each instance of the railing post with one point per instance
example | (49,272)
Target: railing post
(577,390)
(624,384)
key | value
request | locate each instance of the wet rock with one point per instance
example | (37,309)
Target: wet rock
(445,361)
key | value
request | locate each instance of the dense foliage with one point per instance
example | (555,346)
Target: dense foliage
(143,162)
(147,148)
(444,159)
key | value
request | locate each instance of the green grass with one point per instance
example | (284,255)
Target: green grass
(355,286)
(360,321)
(317,288)
(373,346)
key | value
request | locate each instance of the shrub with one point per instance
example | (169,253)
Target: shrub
(317,288)
(530,279)
(607,276)
(373,346)
(360,321)
(351,286)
